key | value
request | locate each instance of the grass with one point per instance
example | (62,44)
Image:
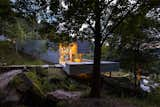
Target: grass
(108,100)
(8,56)
(117,74)
(152,100)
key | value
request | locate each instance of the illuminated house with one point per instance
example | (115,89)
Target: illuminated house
(56,52)
(69,55)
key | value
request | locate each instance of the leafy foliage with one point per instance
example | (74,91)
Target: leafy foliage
(131,37)
(101,18)
(5,8)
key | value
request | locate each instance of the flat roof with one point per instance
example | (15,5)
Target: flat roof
(90,62)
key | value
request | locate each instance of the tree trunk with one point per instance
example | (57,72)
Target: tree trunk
(134,67)
(110,74)
(96,79)
(135,79)
(96,75)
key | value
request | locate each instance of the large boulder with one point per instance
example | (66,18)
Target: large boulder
(64,95)
(30,92)
(7,94)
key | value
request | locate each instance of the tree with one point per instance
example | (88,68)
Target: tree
(101,17)
(5,8)
(134,41)
(38,10)
(5,13)
(12,24)
(40,15)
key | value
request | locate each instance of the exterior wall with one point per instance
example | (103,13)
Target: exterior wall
(38,48)
(50,56)
(3,38)
(87,67)
(84,46)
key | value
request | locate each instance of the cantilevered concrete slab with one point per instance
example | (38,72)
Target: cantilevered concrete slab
(73,68)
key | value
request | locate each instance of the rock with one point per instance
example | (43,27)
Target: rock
(30,92)
(64,95)
(5,78)
(8,94)
(23,89)
(12,97)
(145,88)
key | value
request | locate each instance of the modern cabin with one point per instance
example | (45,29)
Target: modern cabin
(73,52)
(69,55)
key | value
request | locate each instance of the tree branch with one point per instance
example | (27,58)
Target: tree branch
(110,17)
(119,22)
(108,3)
(88,22)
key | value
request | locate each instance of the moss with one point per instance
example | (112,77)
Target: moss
(68,84)
(42,72)
(149,101)
(27,81)
(53,80)
(18,83)
(47,87)
(37,90)
(33,76)
(37,82)
(71,85)
(61,104)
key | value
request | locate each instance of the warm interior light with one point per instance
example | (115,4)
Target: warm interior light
(69,52)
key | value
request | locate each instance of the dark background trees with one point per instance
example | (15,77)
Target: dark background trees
(134,40)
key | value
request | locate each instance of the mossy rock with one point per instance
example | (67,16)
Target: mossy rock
(30,91)
(20,83)
(34,86)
